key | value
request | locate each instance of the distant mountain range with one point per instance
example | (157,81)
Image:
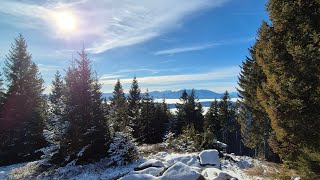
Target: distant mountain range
(201,94)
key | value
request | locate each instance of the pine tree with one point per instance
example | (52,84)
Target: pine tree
(56,97)
(87,135)
(147,117)
(189,112)
(2,91)
(23,113)
(230,129)
(288,52)
(212,120)
(255,123)
(56,123)
(134,103)
(118,115)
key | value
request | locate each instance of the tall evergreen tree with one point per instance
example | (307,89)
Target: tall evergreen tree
(288,52)
(255,123)
(147,130)
(230,131)
(118,115)
(189,112)
(23,113)
(212,119)
(87,133)
(57,98)
(2,91)
(134,103)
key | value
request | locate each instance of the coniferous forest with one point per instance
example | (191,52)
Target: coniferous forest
(276,117)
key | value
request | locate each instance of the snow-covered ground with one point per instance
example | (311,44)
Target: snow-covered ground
(160,166)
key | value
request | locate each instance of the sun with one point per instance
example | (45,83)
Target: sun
(66,22)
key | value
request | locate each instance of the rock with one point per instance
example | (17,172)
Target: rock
(188,159)
(150,163)
(210,157)
(155,171)
(180,171)
(138,177)
(215,174)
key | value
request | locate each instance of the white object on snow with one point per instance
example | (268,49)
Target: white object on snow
(151,170)
(215,174)
(151,163)
(210,157)
(188,159)
(180,171)
(138,177)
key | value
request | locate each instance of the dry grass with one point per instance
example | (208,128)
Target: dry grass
(269,170)
(150,149)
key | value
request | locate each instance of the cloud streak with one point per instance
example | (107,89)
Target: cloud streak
(109,24)
(185,49)
(231,72)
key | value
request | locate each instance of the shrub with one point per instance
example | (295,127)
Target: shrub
(122,150)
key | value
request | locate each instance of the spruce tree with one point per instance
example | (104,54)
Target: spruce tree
(87,135)
(2,91)
(230,130)
(118,114)
(55,122)
(254,121)
(212,120)
(23,111)
(189,112)
(288,52)
(134,103)
(147,118)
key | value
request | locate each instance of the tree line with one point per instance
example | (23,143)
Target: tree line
(74,123)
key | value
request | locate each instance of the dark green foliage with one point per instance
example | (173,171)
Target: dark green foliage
(2,91)
(254,121)
(286,61)
(213,120)
(118,114)
(87,135)
(134,103)
(23,109)
(189,112)
(230,131)
(57,95)
(153,120)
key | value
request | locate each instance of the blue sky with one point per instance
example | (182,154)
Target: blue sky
(167,44)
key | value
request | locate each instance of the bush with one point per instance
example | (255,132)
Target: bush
(122,150)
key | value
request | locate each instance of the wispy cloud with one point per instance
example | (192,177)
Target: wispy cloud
(109,24)
(171,79)
(218,80)
(185,49)
(44,67)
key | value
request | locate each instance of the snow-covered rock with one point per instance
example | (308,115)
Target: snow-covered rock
(215,174)
(155,171)
(138,177)
(151,163)
(180,171)
(210,157)
(188,159)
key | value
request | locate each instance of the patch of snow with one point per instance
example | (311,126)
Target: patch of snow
(151,170)
(180,171)
(210,157)
(189,159)
(138,177)
(151,163)
(215,174)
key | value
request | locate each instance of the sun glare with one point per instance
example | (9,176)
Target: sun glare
(66,22)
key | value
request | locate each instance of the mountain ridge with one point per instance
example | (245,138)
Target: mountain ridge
(169,94)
